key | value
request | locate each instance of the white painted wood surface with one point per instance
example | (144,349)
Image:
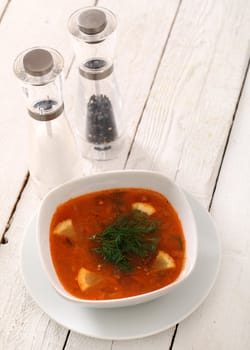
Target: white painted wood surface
(181,67)
(229,303)
(192,102)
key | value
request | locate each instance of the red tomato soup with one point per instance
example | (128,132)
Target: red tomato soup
(116,243)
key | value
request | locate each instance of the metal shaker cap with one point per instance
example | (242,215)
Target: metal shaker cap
(92,24)
(38,62)
(38,65)
(92,21)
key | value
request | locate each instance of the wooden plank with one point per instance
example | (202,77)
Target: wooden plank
(159,341)
(191,105)
(223,321)
(25,24)
(78,341)
(22,324)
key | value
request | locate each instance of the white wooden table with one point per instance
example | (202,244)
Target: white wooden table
(182,66)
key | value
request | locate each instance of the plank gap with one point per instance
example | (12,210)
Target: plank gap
(230,130)
(173,337)
(4,10)
(4,239)
(66,340)
(153,80)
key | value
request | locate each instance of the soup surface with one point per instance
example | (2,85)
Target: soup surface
(116,243)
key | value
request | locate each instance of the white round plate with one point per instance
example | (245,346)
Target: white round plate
(135,321)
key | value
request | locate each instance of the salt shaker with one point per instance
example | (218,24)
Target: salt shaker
(52,153)
(98,113)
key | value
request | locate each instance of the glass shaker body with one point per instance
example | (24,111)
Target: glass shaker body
(52,158)
(51,150)
(100,126)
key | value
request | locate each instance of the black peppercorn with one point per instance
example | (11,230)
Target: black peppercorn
(101,127)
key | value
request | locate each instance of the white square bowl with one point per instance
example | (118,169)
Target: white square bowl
(108,180)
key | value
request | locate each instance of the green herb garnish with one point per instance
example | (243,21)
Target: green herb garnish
(130,234)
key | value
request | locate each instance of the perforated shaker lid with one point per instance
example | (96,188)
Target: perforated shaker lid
(38,62)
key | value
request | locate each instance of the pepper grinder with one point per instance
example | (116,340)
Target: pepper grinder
(52,153)
(98,114)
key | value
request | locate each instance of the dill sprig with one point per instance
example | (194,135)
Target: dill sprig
(130,234)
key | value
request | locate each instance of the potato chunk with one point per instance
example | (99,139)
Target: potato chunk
(86,278)
(65,228)
(144,207)
(163,261)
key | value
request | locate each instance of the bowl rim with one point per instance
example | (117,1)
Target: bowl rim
(127,301)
